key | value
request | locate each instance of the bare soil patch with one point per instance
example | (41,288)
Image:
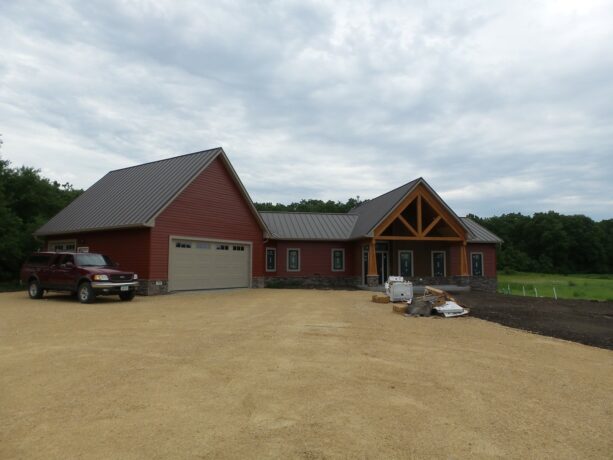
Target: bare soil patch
(289,374)
(583,321)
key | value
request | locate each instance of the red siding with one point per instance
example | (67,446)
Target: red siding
(130,248)
(212,206)
(489,257)
(315,258)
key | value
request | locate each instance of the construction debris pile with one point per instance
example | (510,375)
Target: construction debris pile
(433,302)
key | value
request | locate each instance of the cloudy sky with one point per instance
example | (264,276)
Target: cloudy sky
(501,106)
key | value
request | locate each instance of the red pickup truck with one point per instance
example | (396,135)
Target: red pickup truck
(84,274)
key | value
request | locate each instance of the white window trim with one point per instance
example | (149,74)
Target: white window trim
(332,259)
(287,260)
(444,262)
(482,263)
(266,259)
(64,242)
(412,261)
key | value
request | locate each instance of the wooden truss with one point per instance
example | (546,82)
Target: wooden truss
(420,217)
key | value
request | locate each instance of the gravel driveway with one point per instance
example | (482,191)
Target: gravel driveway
(289,374)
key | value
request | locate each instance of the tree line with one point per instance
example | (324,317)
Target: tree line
(27,201)
(549,242)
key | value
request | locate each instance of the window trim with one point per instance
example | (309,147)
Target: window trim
(274,250)
(482,263)
(342,250)
(64,242)
(287,260)
(444,262)
(412,262)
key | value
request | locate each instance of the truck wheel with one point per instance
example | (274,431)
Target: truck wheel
(85,293)
(34,290)
(127,296)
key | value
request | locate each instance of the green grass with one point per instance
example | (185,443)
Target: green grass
(10,286)
(592,287)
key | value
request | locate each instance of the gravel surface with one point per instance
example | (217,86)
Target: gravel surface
(289,374)
(582,321)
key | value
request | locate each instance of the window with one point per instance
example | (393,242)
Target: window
(83,249)
(405,263)
(338,260)
(67,259)
(39,260)
(293,260)
(59,246)
(183,244)
(223,247)
(271,260)
(438,263)
(238,248)
(476,263)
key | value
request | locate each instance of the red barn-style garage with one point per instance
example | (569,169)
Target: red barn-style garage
(188,223)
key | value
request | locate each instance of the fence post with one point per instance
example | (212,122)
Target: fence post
(536,293)
(555,295)
(523,288)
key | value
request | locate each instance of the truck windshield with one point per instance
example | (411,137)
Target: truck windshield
(93,260)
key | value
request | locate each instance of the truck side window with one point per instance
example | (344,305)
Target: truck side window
(68,258)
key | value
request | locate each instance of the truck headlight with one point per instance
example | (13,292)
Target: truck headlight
(135,276)
(101,277)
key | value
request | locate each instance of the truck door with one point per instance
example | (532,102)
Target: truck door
(63,275)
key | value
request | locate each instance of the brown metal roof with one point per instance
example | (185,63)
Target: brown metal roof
(479,234)
(309,225)
(134,196)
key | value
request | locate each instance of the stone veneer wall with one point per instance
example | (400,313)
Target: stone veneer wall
(487,284)
(305,281)
(152,287)
(484,283)
(476,283)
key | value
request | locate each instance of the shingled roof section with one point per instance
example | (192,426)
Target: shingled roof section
(309,225)
(129,197)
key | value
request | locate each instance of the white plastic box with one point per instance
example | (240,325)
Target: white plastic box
(400,291)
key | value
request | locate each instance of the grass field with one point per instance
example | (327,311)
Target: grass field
(594,287)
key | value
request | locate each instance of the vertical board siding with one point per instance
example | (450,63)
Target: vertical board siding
(212,206)
(315,258)
(129,248)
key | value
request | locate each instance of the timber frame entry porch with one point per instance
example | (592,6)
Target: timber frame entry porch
(419,217)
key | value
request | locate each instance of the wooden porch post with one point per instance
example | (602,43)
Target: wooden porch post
(372,277)
(463,260)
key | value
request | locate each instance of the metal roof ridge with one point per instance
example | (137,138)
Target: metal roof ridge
(310,213)
(165,159)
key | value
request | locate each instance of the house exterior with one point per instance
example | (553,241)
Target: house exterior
(188,223)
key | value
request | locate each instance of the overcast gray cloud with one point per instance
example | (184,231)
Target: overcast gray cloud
(501,106)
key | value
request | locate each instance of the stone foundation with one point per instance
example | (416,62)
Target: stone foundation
(152,287)
(306,281)
(372,280)
(483,283)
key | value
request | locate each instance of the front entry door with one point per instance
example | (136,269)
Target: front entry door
(382,266)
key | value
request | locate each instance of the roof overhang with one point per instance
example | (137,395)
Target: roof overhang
(90,230)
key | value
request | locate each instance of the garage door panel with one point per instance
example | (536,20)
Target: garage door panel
(208,265)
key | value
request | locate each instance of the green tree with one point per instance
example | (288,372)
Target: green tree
(27,200)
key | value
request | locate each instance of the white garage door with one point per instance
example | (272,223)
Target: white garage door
(208,265)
